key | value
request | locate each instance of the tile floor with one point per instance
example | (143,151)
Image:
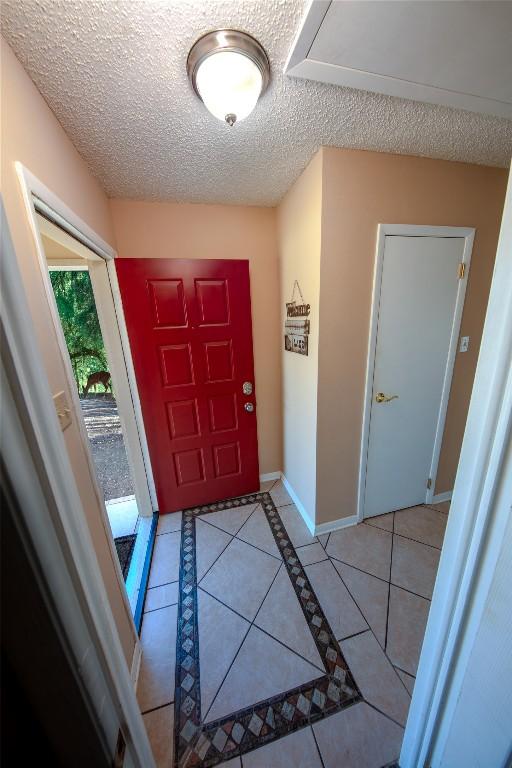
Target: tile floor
(373,583)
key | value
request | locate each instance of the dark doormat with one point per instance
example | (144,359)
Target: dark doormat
(124,547)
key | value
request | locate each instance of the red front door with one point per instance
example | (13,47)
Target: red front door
(190,330)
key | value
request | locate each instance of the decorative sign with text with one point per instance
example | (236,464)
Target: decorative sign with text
(296,326)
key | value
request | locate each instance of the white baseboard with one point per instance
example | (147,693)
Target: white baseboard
(336,525)
(270,476)
(440,497)
(300,506)
(318,530)
(136,660)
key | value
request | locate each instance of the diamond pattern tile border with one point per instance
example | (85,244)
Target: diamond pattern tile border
(205,745)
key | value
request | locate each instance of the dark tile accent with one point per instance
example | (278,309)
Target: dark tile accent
(205,745)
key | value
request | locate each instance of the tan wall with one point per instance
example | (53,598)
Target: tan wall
(299,237)
(190,231)
(361,189)
(32,135)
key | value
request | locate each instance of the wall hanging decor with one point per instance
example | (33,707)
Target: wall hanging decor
(296,325)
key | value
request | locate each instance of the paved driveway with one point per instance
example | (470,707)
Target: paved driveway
(104,429)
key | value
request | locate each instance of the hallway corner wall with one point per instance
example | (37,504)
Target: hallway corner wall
(299,241)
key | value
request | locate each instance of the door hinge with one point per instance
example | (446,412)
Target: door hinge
(462,270)
(429,483)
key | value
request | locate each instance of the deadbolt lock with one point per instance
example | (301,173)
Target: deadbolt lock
(247,388)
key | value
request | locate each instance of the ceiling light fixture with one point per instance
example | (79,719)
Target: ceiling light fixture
(229,71)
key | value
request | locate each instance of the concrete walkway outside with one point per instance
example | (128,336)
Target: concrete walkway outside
(108,450)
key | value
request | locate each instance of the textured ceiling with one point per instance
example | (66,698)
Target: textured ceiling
(113,72)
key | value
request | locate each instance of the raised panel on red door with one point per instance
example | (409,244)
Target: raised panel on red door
(190,330)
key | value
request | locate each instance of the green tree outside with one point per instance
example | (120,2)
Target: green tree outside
(79,319)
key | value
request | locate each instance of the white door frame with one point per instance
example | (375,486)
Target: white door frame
(95,250)
(411,230)
(109,324)
(130,371)
(38,465)
(75,236)
(476,523)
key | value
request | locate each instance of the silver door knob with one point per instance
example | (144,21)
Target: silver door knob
(249,407)
(247,388)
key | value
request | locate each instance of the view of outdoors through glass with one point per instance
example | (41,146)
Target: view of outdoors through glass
(79,320)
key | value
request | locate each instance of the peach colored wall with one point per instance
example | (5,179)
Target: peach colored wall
(32,135)
(192,231)
(361,189)
(299,237)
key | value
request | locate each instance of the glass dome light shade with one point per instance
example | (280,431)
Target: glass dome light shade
(229,84)
(229,70)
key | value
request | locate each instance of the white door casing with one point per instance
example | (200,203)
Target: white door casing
(36,194)
(82,257)
(417,309)
(37,462)
(472,549)
(105,308)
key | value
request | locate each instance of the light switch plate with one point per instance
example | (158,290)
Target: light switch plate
(464,344)
(63,410)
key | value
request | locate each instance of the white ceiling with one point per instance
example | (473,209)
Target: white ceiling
(113,71)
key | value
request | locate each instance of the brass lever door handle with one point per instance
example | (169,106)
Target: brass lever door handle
(380,397)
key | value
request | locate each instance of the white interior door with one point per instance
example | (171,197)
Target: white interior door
(416,317)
